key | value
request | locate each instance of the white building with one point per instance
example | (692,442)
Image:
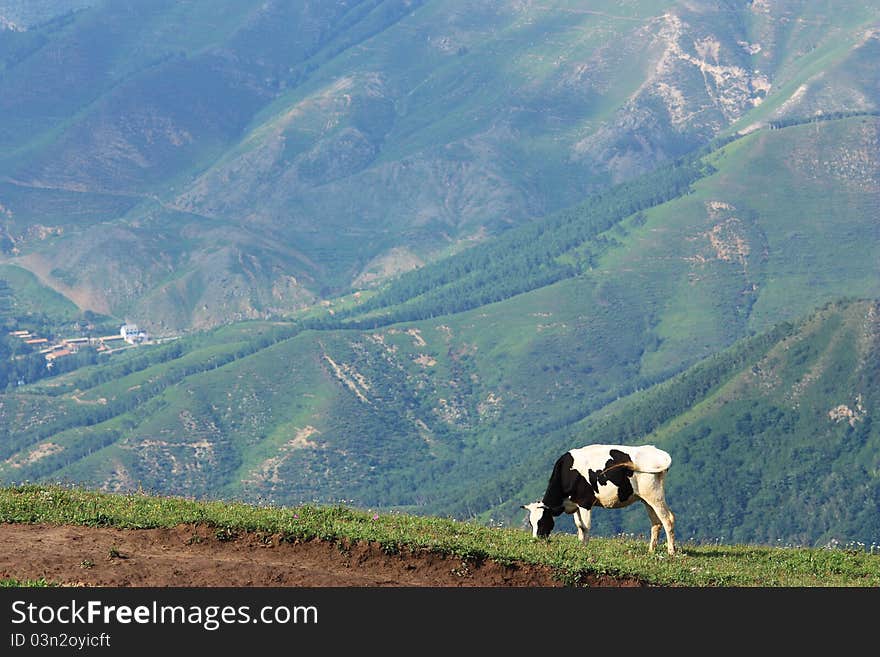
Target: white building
(131,334)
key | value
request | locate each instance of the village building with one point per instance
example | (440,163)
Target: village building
(131,334)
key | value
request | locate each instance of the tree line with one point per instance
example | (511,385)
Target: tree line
(524,258)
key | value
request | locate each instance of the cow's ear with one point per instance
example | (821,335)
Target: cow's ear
(522,506)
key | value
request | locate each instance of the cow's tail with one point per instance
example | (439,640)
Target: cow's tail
(632,466)
(648,459)
(619,464)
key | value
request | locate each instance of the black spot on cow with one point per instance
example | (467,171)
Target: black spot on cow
(618,474)
(566,482)
(594,480)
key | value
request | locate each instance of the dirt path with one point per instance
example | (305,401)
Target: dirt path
(193,556)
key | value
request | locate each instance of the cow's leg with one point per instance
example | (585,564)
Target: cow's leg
(582,522)
(667,519)
(655,527)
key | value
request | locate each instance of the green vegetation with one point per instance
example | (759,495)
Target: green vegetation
(529,257)
(462,414)
(90,422)
(9,582)
(288,167)
(729,565)
(629,275)
(771,440)
(30,302)
(25,304)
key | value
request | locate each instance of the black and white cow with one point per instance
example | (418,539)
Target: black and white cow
(609,476)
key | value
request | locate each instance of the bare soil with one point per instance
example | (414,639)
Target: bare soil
(193,555)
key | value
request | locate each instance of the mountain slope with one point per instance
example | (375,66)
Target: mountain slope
(242,161)
(772,442)
(461,413)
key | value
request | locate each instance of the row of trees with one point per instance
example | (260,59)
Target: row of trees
(527,257)
(826,116)
(178,364)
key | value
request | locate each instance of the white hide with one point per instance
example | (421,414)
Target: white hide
(647,481)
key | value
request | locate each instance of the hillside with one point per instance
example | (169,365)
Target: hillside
(763,435)
(637,222)
(463,413)
(58,535)
(784,413)
(241,161)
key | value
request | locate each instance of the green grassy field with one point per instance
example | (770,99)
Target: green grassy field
(707,565)
(29,297)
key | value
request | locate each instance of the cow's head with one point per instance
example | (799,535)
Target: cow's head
(540,519)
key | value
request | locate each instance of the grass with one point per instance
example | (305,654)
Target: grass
(11,582)
(32,297)
(699,566)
